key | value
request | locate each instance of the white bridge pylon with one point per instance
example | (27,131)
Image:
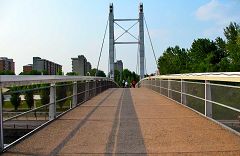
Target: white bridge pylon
(139,39)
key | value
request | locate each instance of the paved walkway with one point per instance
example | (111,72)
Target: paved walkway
(130,122)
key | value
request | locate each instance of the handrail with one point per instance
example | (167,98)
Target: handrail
(214,76)
(19,80)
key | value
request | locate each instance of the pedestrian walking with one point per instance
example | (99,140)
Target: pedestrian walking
(126,84)
(133,84)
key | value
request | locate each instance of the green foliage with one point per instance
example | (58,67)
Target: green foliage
(100,73)
(33,72)
(72,74)
(117,77)
(174,60)
(61,92)
(29,98)
(60,73)
(129,76)
(231,32)
(204,55)
(44,94)
(8,72)
(44,72)
(15,100)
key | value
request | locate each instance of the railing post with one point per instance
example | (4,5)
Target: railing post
(86,90)
(208,96)
(52,106)
(95,87)
(155,85)
(183,91)
(100,86)
(151,83)
(160,86)
(74,98)
(168,87)
(1,122)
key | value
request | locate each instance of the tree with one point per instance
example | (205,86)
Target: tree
(61,92)
(6,72)
(60,73)
(135,77)
(100,73)
(44,72)
(29,98)
(33,72)
(117,77)
(204,56)
(126,74)
(129,76)
(232,33)
(174,60)
(222,55)
(15,100)
(72,74)
(44,94)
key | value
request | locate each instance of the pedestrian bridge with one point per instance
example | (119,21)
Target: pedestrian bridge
(130,121)
(150,120)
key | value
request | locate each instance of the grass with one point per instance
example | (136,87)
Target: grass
(8,107)
(23,106)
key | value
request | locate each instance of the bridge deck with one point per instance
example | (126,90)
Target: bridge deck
(130,121)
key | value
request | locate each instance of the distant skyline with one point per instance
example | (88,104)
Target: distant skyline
(59,30)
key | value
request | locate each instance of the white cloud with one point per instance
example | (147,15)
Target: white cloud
(219,13)
(213,10)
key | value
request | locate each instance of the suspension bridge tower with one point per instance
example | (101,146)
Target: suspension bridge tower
(139,39)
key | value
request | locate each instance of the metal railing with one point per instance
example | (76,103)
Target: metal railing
(61,94)
(214,95)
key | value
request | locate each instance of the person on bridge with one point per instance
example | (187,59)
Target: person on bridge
(126,84)
(133,84)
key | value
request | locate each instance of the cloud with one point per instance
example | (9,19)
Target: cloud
(213,10)
(218,11)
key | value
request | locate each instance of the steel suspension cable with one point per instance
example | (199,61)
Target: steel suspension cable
(102,47)
(151,42)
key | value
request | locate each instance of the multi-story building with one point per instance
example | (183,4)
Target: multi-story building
(27,68)
(118,66)
(89,67)
(80,65)
(7,64)
(44,65)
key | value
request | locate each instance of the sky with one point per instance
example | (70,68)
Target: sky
(59,30)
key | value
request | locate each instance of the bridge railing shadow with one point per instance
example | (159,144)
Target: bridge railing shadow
(213,95)
(28,103)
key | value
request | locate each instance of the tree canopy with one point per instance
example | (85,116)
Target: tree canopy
(6,72)
(100,73)
(204,55)
(72,74)
(126,75)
